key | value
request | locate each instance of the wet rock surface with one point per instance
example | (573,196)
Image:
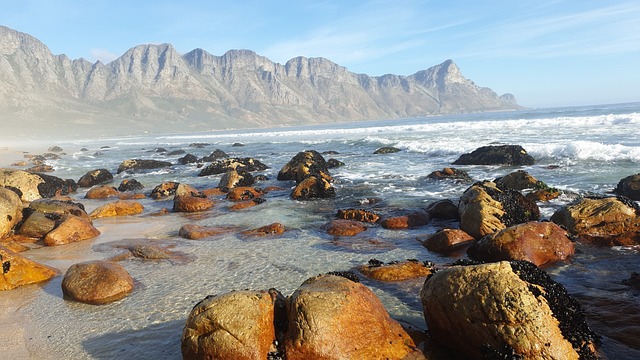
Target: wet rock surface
(97,282)
(18,270)
(446,241)
(133,165)
(95,177)
(396,271)
(512,155)
(629,187)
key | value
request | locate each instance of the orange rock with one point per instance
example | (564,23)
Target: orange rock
(406,221)
(447,240)
(97,282)
(117,208)
(18,270)
(71,229)
(195,232)
(188,199)
(213,192)
(101,192)
(345,228)
(398,271)
(543,194)
(271,229)
(131,196)
(358,215)
(246,204)
(243,193)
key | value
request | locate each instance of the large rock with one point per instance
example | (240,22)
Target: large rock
(512,155)
(69,229)
(518,180)
(358,215)
(142,164)
(101,192)
(235,325)
(95,177)
(37,224)
(505,310)
(195,232)
(55,186)
(222,166)
(233,178)
(341,227)
(331,317)
(449,173)
(414,219)
(117,208)
(447,240)
(18,270)
(303,165)
(606,221)
(313,187)
(10,211)
(35,186)
(537,242)
(485,209)
(395,271)
(97,282)
(188,199)
(58,207)
(130,185)
(215,155)
(629,187)
(164,190)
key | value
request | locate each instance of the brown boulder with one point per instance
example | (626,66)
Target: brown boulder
(59,207)
(164,190)
(518,180)
(313,187)
(37,225)
(246,204)
(18,270)
(303,165)
(117,208)
(26,182)
(244,193)
(331,317)
(345,228)
(141,164)
(537,242)
(101,192)
(97,282)
(10,211)
(70,229)
(479,310)
(447,240)
(95,177)
(188,199)
(546,194)
(195,232)
(358,215)
(450,173)
(233,178)
(606,221)
(415,219)
(41,168)
(271,229)
(235,325)
(629,187)
(395,271)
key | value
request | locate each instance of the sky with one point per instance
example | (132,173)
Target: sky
(547,53)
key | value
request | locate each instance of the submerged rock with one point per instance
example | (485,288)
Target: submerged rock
(235,325)
(331,317)
(345,227)
(537,242)
(271,229)
(512,155)
(387,150)
(97,282)
(18,270)
(358,215)
(95,177)
(195,232)
(415,219)
(505,308)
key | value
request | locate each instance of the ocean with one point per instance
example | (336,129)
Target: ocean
(580,150)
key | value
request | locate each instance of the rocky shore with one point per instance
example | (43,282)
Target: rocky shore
(488,298)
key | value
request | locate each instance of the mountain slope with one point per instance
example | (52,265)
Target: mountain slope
(154,88)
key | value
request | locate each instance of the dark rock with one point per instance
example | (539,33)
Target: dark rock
(237,145)
(55,149)
(633,280)
(446,241)
(141,164)
(176,152)
(160,150)
(334,163)
(629,187)
(415,219)
(358,215)
(303,165)
(222,166)
(330,152)
(164,190)
(313,187)
(199,145)
(450,173)
(234,178)
(512,155)
(519,180)
(188,159)
(130,185)
(443,209)
(387,150)
(55,186)
(215,155)
(95,177)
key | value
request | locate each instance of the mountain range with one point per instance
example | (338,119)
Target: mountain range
(153,88)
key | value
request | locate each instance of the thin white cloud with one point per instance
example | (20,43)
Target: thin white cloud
(102,55)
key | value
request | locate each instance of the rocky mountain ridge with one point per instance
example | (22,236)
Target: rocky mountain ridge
(154,88)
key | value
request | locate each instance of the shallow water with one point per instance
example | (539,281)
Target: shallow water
(590,149)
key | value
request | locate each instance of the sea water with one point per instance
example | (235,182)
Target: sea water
(580,150)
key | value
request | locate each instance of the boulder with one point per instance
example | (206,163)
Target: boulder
(313,187)
(149,252)
(95,177)
(188,159)
(537,242)
(58,207)
(35,186)
(70,228)
(188,199)
(130,185)
(450,173)
(97,282)
(443,209)
(235,325)
(358,215)
(518,180)
(55,149)
(345,228)
(42,168)
(55,186)
(396,271)
(331,317)
(271,229)
(415,219)
(215,155)
(334,163)
(245,204)
(546,194)
(606,221)
(505,310)
(10,211)
(164,190)
(485,209)
(244,193)
(303,165)
(142,164)
(117,208)
(387,150)
(18,270)
(101,192)
(511,155)
(234,178)
(38,224)
(222,166)
(447,240)
(629,187)
(195,232)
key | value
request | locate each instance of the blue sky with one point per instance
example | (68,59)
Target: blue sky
(546,52)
